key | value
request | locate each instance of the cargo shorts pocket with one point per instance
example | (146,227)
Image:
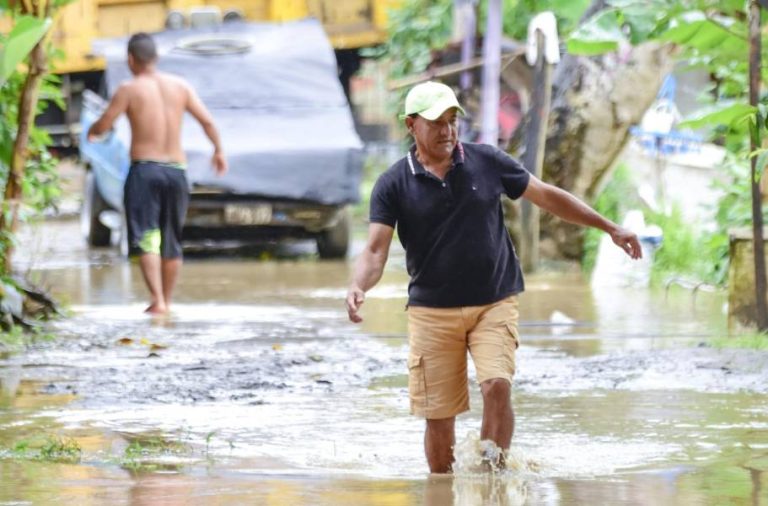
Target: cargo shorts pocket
(417,384)
(511,343)
(512,330)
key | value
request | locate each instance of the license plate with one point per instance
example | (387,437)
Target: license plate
(248,215)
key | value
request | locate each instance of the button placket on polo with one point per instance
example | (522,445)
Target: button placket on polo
(447,185)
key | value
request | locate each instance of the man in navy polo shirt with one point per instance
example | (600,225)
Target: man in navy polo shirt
(444,199)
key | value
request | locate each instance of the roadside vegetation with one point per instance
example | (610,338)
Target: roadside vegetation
(28,176)
(45,449)
(711,35)
(142,454)
(747,341)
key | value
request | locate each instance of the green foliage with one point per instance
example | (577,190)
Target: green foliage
(41,182)
(415,30)
(518,13)
(372,169)
(600,35)
(710,34)
(618,196)
(748,341)
(51,449)
(712,29)
(13,338)
(684,249)
(733,210)
(26,33)
(58,449)
(17,337)
(420,27)
(723,113)
(142,455)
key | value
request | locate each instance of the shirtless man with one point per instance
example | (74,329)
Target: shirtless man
(156,192)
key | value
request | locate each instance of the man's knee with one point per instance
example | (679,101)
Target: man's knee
(442,425)
(496,390)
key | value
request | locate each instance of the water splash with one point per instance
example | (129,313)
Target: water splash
(475,456)
(484,474)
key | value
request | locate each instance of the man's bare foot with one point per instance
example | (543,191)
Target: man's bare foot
(156,309)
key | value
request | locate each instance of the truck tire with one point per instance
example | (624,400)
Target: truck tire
(334,242)
(95,232)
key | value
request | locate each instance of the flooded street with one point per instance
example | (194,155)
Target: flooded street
(258,390)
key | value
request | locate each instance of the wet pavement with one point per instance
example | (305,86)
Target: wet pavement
(257,390)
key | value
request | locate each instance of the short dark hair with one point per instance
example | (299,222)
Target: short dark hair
(142,47)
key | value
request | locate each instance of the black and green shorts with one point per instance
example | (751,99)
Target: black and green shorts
(156,197)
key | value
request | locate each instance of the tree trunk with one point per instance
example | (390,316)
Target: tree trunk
(13,189)
(755,50)
(595,100)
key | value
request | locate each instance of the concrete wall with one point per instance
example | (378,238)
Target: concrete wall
(742,311)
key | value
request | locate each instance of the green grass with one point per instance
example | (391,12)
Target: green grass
(683,251)
(372,169)
(616,198)
(686,251)
(139,454)
(50,449)
(747,341)
(17,337)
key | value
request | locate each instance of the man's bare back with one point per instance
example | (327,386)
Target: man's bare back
(155,104)
(155,109)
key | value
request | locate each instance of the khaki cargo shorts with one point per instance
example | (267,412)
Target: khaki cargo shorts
(437,362)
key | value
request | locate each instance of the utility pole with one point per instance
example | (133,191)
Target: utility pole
(761,307)
(489,131)
(467,8)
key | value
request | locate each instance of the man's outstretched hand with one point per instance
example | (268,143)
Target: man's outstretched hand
(627,241)
(219,163)
(94,137)
(355,299)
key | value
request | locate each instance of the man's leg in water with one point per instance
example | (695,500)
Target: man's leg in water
(498,416)
(493,342)
(439,440)
(170,273)
(437,378)
(150,269)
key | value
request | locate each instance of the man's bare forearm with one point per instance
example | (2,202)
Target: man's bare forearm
(97,128)
(213,134)
(571,209)
(368,269)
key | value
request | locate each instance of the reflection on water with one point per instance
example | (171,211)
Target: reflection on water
(282,401)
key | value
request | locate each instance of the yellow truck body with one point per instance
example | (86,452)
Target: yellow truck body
(349,24)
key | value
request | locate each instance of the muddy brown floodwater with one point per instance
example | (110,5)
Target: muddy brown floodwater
(259,391)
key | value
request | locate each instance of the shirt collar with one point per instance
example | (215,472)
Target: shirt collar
(417,168)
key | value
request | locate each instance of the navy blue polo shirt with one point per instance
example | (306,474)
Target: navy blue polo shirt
(458,252)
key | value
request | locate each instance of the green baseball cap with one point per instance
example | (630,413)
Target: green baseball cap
(429,100)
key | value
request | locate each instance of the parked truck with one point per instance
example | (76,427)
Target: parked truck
(349,25)
(295,159)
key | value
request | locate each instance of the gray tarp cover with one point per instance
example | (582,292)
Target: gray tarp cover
(285,124)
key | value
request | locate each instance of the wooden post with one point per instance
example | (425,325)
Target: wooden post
(535,139)
(757,214)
